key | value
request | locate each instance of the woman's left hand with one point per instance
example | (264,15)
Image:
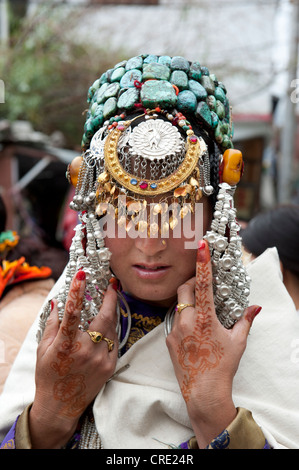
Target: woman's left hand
(205,354)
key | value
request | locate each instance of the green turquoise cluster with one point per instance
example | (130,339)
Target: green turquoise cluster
(151,81)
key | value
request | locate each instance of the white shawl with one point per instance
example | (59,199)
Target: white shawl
(142,406)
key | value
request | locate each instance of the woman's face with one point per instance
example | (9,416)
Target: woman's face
(151,269)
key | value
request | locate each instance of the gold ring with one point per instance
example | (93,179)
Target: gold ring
(110,344)
(95,336)
(180,307)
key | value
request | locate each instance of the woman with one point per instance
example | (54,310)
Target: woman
(157,137)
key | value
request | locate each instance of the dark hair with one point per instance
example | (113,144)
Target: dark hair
(278,228)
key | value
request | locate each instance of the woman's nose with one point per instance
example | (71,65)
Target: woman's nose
(150,246)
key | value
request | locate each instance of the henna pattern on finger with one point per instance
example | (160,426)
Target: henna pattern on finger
(198,352)
(70,388)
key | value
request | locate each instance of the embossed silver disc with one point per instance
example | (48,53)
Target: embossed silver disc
(155,139)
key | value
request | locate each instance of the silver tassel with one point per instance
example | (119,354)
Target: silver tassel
(230,280)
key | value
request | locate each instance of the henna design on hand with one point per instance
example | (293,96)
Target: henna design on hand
(70,389)
(198,352)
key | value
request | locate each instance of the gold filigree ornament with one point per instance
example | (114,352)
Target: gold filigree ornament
(195,149)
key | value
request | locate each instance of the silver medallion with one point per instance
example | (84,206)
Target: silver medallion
(155,140)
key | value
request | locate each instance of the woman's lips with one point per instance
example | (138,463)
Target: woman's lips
(150,272)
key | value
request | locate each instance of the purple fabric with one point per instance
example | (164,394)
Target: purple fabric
(137,306)
(184,445)
(9,440)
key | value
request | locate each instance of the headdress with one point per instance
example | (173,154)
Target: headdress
(157,128)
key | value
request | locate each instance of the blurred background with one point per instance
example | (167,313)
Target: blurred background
(52,51)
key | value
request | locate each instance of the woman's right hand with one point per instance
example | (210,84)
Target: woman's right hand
(71,369)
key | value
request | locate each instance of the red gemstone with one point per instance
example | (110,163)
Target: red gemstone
(193,139)
(143,185)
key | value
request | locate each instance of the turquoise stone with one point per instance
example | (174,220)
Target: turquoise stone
(222,86)
(180,63)
(214,119)
(103,78)
(211,102)
(219,94)
(117,74)
(88,128)
(186,101)
(108,74)
(218,134)
(155,71)
(85,140)
(123,63)
(97,121)
(101,93)
(164,60)
(180,79)
(205,71)
(90,94)
(198,90)
(224,127)
(203,113)
(134,63)
(128,98)
(220,110)
(93,108)
(195,71)
(151,58)
(226,142)
(92,90)
(95,85)
(110,107)
(127,80)
(99,110)
(158,93)
(208,84)
(112,90)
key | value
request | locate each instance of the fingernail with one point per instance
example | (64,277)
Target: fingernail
(52,305)
(80,275)
(114,283)
(252,314)
(202,252)
(201,244)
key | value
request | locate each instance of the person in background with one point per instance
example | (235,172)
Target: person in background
(25,281)
(278,228)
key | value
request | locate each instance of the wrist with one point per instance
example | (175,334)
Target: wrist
(49,431)
(209,423)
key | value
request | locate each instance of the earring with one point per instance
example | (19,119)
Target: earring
(230,279)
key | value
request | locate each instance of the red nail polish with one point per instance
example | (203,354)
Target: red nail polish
(201,244)
(202,252)
(114,283)
(80,275)
(251,315)
(52,305)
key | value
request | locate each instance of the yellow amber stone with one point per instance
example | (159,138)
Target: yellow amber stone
(74,169)
(232,166)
